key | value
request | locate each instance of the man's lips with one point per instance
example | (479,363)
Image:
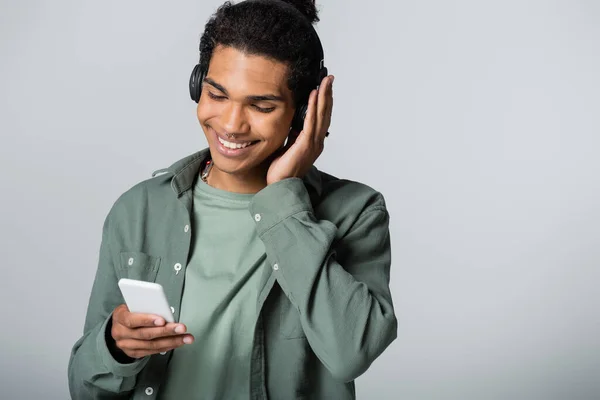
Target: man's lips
(230,140)
(233,151)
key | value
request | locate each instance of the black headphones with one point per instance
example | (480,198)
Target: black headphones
(198,74)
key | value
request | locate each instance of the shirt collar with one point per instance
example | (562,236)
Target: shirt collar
(186,171)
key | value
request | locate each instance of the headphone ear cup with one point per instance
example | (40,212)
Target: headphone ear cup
(196,83)
(322,74)
(298,121)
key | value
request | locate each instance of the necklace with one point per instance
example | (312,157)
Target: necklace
(206,171)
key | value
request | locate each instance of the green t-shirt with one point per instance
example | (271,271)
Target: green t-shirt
(219,300)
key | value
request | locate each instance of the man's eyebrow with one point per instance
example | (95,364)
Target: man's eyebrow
(264,97)
(216,85)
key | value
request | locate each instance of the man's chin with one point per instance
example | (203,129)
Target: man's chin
(253,160)
(234,166)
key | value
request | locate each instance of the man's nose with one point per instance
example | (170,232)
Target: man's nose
(234,118)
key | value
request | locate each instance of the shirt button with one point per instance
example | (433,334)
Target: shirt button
(177,268)
(275,267)
(257,217)
(130,261)
(149,391)
(163,353)
(172,310)
(186,229)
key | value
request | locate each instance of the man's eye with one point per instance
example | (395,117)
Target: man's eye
(215,97)
(263,110)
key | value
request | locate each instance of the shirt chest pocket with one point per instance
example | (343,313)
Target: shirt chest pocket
(137,265)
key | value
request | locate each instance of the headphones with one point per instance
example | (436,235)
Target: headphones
(199,73)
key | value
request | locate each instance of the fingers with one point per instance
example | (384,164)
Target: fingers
(122,316)
(142,326)
(318,115)
(309,121)
(324,109)
(122,332)
(135,348)
(139,335)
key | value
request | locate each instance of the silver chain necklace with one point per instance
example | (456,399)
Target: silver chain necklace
(209,163)
(206,171)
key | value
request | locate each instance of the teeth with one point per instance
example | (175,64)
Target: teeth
(234,145)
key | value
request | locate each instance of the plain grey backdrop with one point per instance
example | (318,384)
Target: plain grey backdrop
(479,121)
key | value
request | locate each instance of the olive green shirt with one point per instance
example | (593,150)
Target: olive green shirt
(324,306)
(218,307)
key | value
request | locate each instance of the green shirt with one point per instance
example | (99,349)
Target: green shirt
(324,306)
(219,300)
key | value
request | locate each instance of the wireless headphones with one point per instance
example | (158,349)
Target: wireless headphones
(199,73)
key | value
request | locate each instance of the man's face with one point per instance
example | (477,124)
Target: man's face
(245,95)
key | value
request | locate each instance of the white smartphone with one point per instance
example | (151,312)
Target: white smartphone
(146,298)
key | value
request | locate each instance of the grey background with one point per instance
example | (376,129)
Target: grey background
(479,121)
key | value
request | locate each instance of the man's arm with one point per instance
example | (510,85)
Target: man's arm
(94,373)
(346,310)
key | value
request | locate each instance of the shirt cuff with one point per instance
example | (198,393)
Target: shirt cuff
(277,202)
(113,366)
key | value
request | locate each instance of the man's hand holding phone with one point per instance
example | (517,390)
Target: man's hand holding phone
(144,325)
(138,335)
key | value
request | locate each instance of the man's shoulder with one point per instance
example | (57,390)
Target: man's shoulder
(157,187)
(347,193)
(150,191)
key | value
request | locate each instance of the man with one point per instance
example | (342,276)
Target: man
(277,273)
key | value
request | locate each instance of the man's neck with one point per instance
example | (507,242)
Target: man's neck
(251,182)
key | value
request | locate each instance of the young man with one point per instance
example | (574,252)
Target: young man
(277,273)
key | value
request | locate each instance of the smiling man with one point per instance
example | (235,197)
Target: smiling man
(277,273)
(248,96)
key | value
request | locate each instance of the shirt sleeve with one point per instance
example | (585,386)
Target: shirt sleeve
(345,307)
(93,372)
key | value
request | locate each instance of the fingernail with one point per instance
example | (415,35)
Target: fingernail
(158,322)
(188,340)
(179,329)
(332,79)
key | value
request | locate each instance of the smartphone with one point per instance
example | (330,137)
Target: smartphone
(146,298)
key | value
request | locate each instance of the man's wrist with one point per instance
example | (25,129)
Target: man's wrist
(118,354)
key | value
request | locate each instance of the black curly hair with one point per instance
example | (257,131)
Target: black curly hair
(277,29)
